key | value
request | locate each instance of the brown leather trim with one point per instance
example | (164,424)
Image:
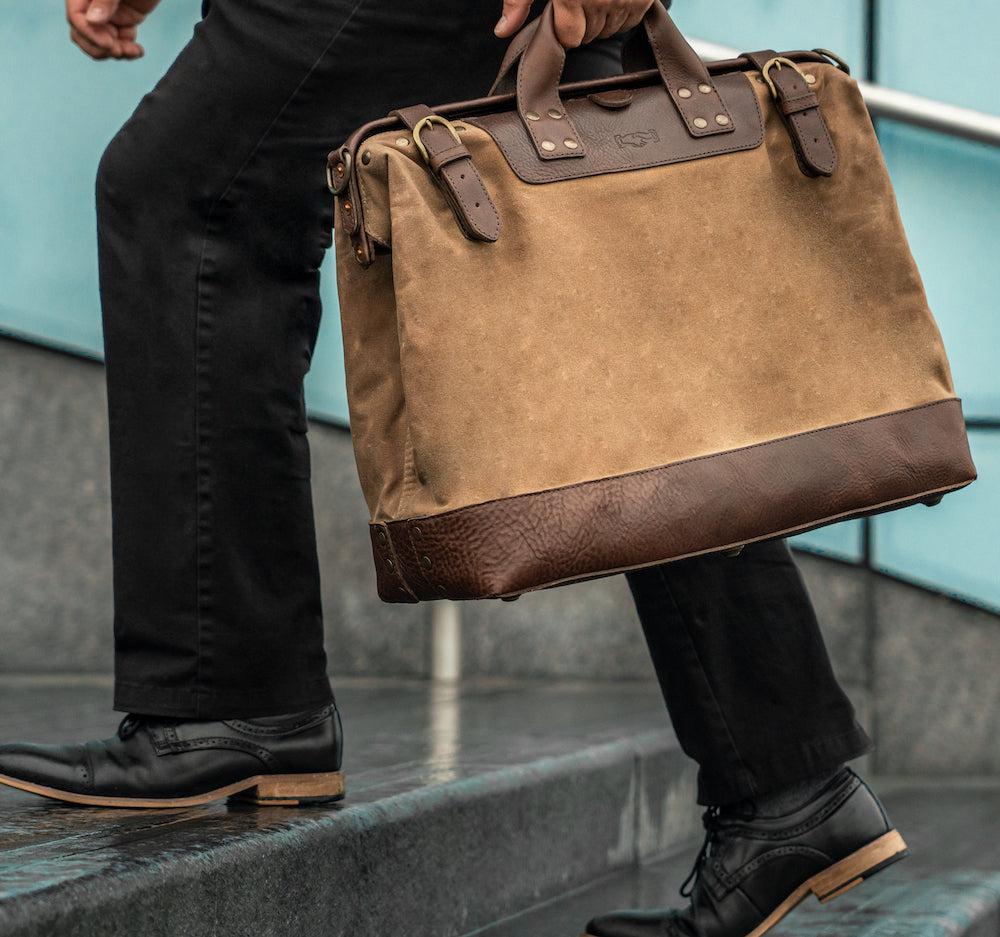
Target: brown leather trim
(702,505)
(800,110)
(647,131)
(451,165)
(364,249)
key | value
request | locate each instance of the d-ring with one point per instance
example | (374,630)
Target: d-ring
(778,61)
(432,119)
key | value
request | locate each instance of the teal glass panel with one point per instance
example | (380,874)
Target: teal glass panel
(58,111)
(841,541)
(954,547)
(949,197)
(61,108)
(749,25)
(919,43)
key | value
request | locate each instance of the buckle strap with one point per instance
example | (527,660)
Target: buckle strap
(452,166)
(800,109)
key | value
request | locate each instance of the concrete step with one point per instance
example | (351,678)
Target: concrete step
(948,887)
(466,804)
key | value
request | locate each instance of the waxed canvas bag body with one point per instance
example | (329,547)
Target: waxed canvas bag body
(600,326)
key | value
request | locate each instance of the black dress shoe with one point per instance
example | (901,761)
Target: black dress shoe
(752,871)
(160,762)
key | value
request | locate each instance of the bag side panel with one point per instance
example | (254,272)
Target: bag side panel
(374,386)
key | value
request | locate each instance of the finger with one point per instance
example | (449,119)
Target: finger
(99,36)
(571,24)
(515,12)
(132,50)
(637,13)
(101,11)
(92,49)
(595,26)
(614,24)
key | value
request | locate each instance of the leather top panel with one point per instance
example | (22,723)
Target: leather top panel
(647,132)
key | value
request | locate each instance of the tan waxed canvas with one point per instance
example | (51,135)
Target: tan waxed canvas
(626,321)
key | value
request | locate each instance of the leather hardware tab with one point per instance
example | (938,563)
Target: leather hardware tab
(451,165)
(650,131)
(800,110)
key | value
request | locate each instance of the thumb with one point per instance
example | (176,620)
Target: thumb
(515,12)
(101,11)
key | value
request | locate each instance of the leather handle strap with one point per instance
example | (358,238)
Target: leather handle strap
(503,84)
(451,165)
(551,129)
(800,110)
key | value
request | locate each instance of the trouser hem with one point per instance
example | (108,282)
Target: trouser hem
(769,772)
(191,703)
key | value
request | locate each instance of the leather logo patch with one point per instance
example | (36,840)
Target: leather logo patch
(636,138)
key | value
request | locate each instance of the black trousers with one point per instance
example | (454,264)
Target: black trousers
(213,221)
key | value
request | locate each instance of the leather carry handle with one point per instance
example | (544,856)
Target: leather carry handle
(684,76)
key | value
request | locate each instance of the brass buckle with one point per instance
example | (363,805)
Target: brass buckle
(777,62)
(432,119)
(338,171)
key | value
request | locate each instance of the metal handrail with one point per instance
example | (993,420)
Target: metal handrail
(907,108)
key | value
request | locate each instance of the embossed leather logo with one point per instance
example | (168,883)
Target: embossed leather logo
(636,138)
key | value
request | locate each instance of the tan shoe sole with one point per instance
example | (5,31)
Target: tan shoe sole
(276,790)
(840,878)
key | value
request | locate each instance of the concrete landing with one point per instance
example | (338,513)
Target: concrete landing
(465,804)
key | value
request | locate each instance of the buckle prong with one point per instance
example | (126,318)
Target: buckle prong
(777,62)
(424,122)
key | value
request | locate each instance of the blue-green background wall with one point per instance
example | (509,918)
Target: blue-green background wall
(58,110)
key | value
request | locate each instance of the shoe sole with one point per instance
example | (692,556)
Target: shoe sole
(840,878)
(276,790)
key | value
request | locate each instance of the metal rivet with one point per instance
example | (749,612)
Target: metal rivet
(683,92)
(570,144)
(339,169)
(390,565)
(554,114)
(705,89)
(415,531)
(359,252)
(700,123)
(735,551)
(366,157)
(348,207)
(403,141)
(531,115)
(810,79)
(426,562)
(548,145)
(381,535)
(721,120)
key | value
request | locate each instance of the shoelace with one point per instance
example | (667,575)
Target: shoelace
(710,820)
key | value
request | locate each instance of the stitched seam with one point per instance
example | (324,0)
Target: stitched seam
(201,461)
(777,853)
(700,458)
(248,728)
(469,213)
(235,744)
(821,816)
